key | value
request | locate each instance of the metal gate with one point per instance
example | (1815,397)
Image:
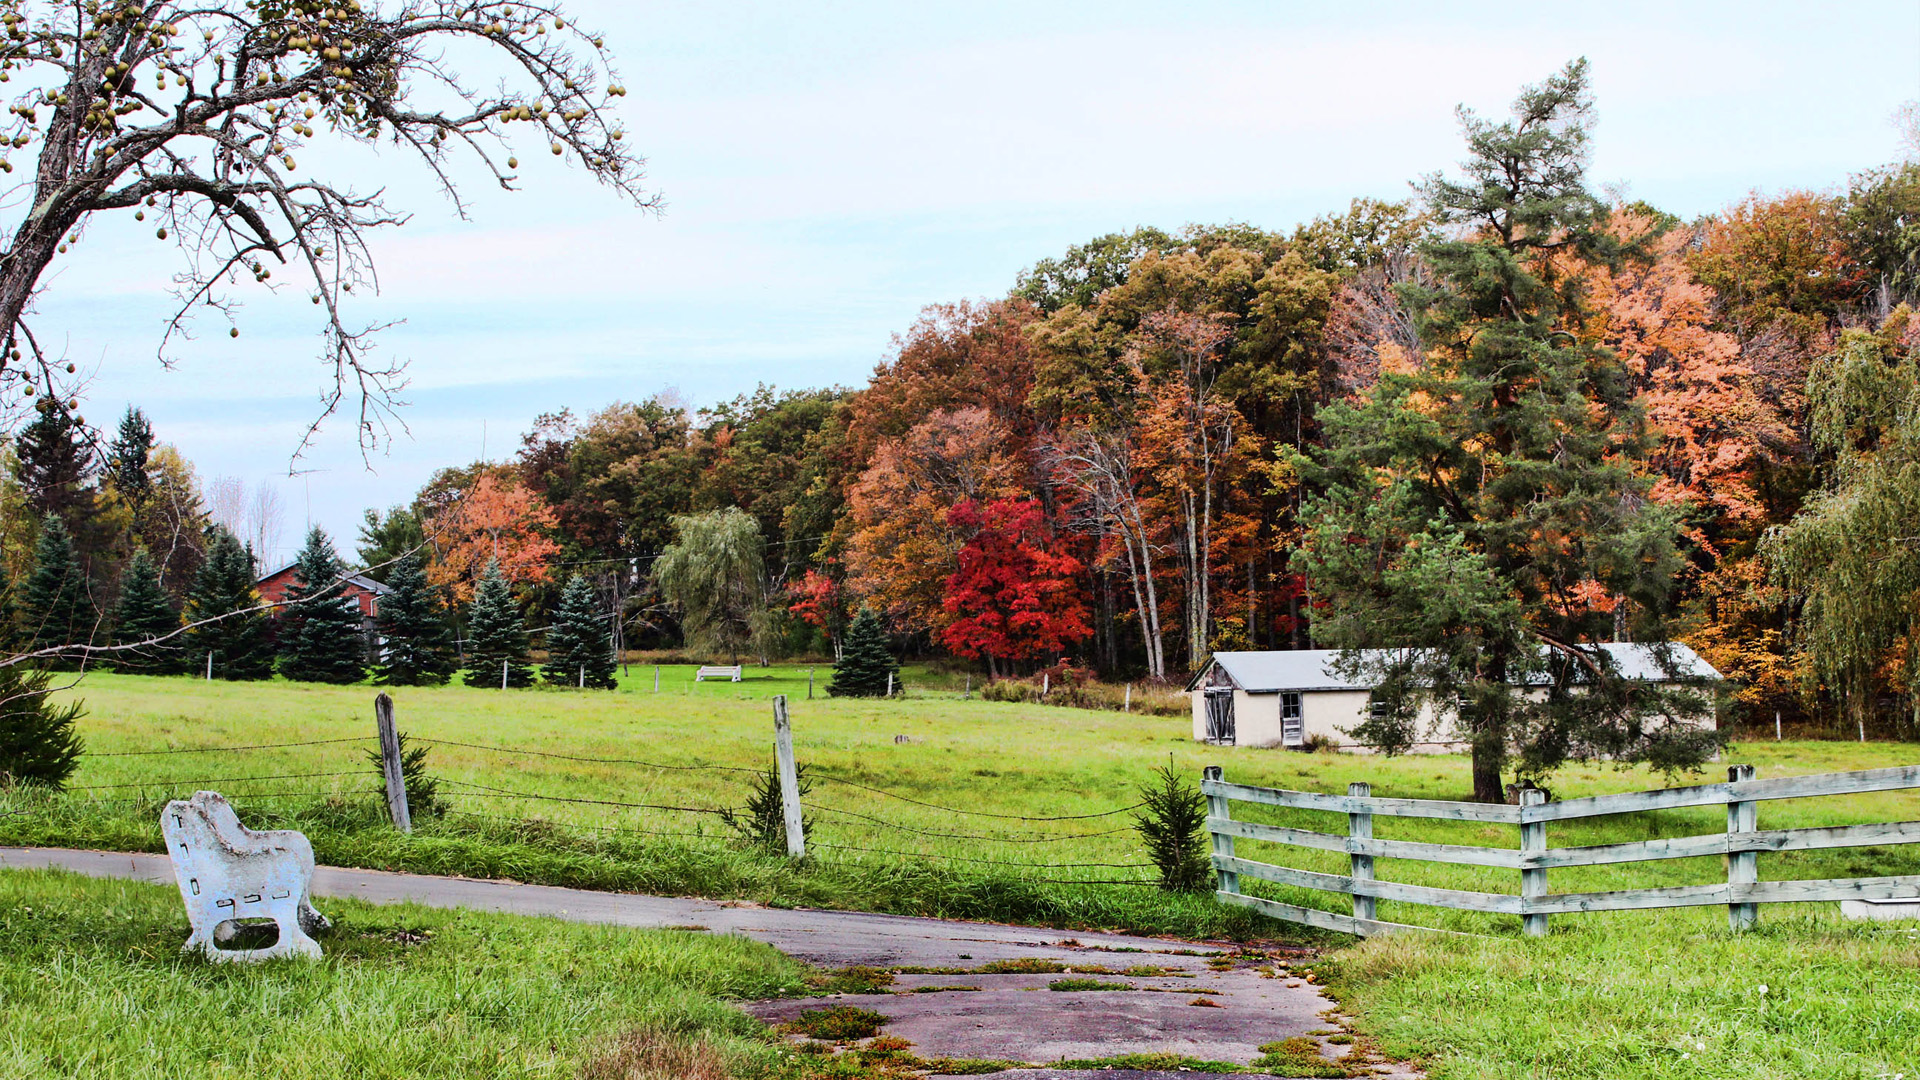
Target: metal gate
(1220,716)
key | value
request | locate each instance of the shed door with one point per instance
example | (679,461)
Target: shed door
(1220,716)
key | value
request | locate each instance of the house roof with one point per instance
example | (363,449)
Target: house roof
(1315,669)
(377,588)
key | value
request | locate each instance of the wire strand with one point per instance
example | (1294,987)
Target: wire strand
(971,836)
(975,813)
(483,791)
(579,757)
(224,749)
(988,862)
(215,780)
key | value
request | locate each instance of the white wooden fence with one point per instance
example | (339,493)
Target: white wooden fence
(1742,844)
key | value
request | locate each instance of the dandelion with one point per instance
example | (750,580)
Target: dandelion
(1763,989)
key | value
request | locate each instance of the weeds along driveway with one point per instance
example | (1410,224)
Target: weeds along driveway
(981,991)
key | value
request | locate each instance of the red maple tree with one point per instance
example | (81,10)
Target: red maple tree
(1014,596)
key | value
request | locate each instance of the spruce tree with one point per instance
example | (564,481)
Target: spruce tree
(413,630)
(580,645)
(54,461)
(53,605)
(145,612)
(225,585)
(322,634)
(865,663)
(496,635)
(37,742)
(127,460)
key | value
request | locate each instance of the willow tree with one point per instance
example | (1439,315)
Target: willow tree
(1852,554)
(1484,521)
(715,573)
(215,123)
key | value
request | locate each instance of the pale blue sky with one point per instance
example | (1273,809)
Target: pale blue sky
(831,168)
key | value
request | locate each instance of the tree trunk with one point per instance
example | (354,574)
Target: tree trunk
(1487,760)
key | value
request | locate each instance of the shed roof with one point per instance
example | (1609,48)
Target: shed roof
(1315,669)
(354,578)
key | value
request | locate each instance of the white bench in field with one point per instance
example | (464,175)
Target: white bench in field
(731,674)
(229,873)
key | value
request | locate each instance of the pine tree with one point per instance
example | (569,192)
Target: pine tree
(54,462)
(865,663)
(413,630)
(224,585)
(127,460)
(496,635)
(53,605)
(145,612)
(37,742)
(322,635)
(580,646)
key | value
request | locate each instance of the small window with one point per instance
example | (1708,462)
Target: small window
(1292,731)
(1380,708)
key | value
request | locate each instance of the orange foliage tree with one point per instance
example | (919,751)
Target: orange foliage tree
(497,518)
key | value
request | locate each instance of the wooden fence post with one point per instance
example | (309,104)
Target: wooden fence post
(1533,841)
(789,779)
(1218,806)
(503,674)
(1126,703)
(209,665)
(390,764)
(809,684)
(967,694)
(889,684)
(1360,827)
(1743,867)
(656,678)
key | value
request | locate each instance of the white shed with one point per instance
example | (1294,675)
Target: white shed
(1282,699)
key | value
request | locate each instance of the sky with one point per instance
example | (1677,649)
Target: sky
(829,169)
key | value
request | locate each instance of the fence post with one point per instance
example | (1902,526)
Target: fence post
(789,779)
(889,684)
(1360,827)
(503,674)
(1533,841)
(209,665)
(1126,704)
(1046,682)
(809,684)
(583,676)
(967,694)
(1776,725)
(656,678)
(390,764)
(1743,867)
(1218,807)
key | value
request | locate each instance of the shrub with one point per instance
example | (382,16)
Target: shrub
(423,789)
(37,742)
(1172,821)
(762,822)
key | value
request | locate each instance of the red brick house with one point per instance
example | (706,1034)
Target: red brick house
(361,589)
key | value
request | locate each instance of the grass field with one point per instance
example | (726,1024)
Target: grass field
(1611,995)
(92,984)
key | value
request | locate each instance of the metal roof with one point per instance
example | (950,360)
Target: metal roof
(1314,669)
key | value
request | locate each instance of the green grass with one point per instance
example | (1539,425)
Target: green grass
(92,984)
(1604,996)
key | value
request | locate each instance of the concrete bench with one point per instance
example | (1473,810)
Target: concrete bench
(230,875)
(731,674)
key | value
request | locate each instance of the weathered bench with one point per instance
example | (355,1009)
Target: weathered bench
(722,671)
(229,873)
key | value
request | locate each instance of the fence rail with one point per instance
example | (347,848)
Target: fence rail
(1741,844)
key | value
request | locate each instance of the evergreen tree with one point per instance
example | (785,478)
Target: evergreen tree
(1485,521)
(37,742)
(580,640)
(413,630)
(865,663)
(8,625)
(322,634)
(53,606)
(225,585)
(145,612)
(127,459)
(496,635)
(54,462)
(385,538)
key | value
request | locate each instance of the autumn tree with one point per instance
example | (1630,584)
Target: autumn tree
(198,119)
(1015,596)
(495,522)
(1482,518)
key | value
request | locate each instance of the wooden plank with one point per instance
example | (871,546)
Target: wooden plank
(1813,891)
(1460,854)
(1743,867)
(1783,787)
(1346,804)
(1384,890)
(1533,881)
(1327,920)
(1834,836)
(1631,899)
(1275,834)
(1845,783)
(1359,866)
(791,815)
(1627,803)
(1682,847)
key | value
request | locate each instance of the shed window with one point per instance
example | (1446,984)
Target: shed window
(1292,731)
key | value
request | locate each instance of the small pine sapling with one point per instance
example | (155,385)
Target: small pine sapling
(1172,821)
(762,822)
(38,745)
(423,788)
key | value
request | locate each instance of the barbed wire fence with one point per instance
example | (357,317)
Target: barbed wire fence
(848,835)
